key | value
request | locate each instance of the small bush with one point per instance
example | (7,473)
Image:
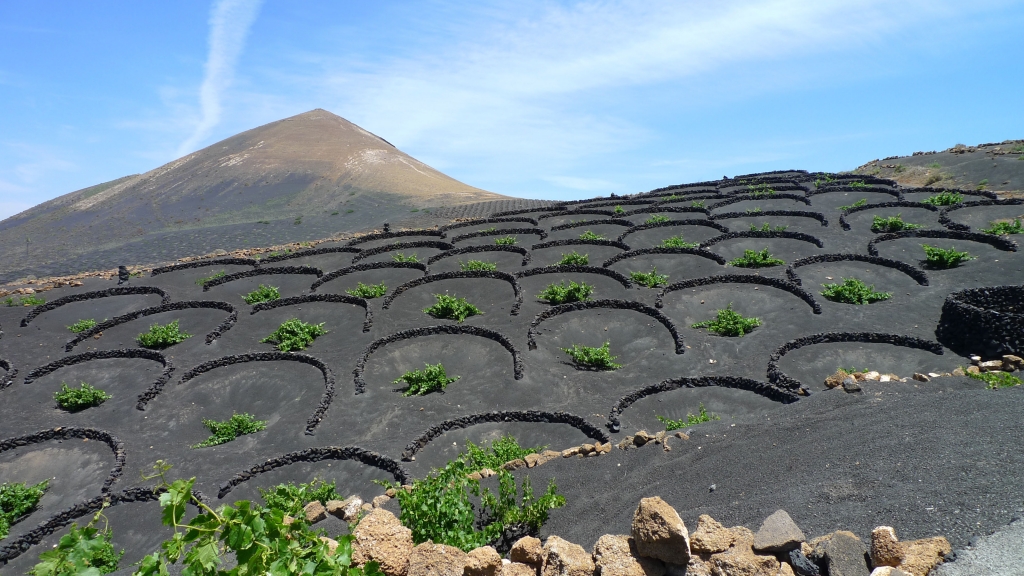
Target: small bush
(996,380)
(618,211)
(761,191)
(998,228)
(678,242)
(432,378)
(82,551)
(162,336)
(478,266)
(656,219)
(946,198)
(592,358)
(262,294)
(561,294)
(898,169)
(892,224)
(945,258)
(82,325)
(755,259)
(853,291)
(753,211)
(766,227)
(588,235)
(17,500)
(335,213)
(294,334)
(228,430)
(691,420)
(857,204)
(349,211)
(368,291)
(214,276)
(697,204)
(26,300)
(501,451)
(506,241)
(935,165)
(77,399)
(399,257)
(858,184)
(290,498)
(452,308)
(649,279)
(728,322)
(574,258)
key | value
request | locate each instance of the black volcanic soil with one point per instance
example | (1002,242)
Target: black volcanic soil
(937,458)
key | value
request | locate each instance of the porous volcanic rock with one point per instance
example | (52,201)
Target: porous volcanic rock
(710,537)
(380,536)
(778,533)
(429,559)
(563,558)
(921,556)
(659,532)
(841,553)
(483,561)
(527,550)
(885,547)
(616,555)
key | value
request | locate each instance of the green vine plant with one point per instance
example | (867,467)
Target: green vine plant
(892,224)
(78,399)
(294,334)
(853,291)
(945,257)
(728,322)
(452,308)
(574,258)
(690,420)
(678,242)
(83,325)
(478,266)
(697,204)
(858,184)
(17,499)
(649,279)
(588,235)
(857,204)
(26,300)
(618,211)
(400,257)
(761,191)
(944,198)
(995,380)
(291,497)
(432,378)
(85,551)
(1000,228)
(501,451)
(214,276)
(368,291)
(262,294)
(162,336)
(766,227)
(656,219)
(756,259)
(509,240)
(222,432)
(561,293)
(753,211)
(592,358)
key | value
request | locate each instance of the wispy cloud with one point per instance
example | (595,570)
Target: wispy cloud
(229,25)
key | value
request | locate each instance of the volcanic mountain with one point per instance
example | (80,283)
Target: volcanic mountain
(304,177)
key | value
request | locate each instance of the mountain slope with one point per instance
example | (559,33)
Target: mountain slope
(995,166)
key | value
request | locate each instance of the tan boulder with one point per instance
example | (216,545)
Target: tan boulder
(695,567)
(429,559)
(570,452)
(786,570)
(973,370)
(710,537)
(514,464)
(741,561)
(483,561)
(921,556)
(991,365)
(381,500)
(332,544)
(518,569)
(527,550)
(314,512)
(380,536)
(836,380)
(563,558)
(659,532)
(538,459)
(617,556)
(885,547)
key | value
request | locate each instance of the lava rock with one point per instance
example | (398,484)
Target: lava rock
(778,533)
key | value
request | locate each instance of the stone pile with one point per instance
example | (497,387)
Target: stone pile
(850,380)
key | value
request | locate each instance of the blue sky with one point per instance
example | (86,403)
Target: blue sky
(535,99)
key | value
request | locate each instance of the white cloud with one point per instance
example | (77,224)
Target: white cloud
(229,24)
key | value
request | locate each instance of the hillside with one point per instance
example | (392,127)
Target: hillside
(303,177)
(998,167)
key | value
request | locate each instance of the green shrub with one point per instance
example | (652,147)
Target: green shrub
(1012,227)
(84,551)
(262,294)
(290,498)
(452,308)
(678,242)
(858,184)
(857,204)
(761,190)
(996,380)
(691,420)
(26,300)
(753,211)
(697,204)
(349,211)
(294,334)
(17,500)
(945,258)
(368,291)
(432,378)
(892,224)
(335,213)
(656,219)
(574,258)
(935,165)
(755,259)
(162,336)
(672,197)
(944,198)
(728,322)
(618,211)
(214,276)
(593,358)
(766,227)
(82,325)
(853,291)
(228,430)
(502,450)
(506,241)
(649,279)
(399,257)
(898,169)
(478,266)
(982,184)
(77,399)
(561,294)
(588,235)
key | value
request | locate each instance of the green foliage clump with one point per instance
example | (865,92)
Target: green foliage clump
(728,322)
(892,224)
(26,300)
(77,399)
(452,308)
(294,334)
(998,228)
(432,378)
(996,380)
(85,551)
(766,227)
(944,198)
(478,266)
(509,240)
(691,419)
(599,358)
(756,259)
(656,219)
(290,498)
(858,184)
(753,210)
(561,293)
(649,279)
(678,242)
(588,235)
(262,294)
(853,291)
(368,290)
(162,336)
(761,190)
(618,211)
(228,430)
(214,276)
(945,258)
(17,500)
(697,204)
(399,257)
(574,258)
(502,450)
(82,325)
